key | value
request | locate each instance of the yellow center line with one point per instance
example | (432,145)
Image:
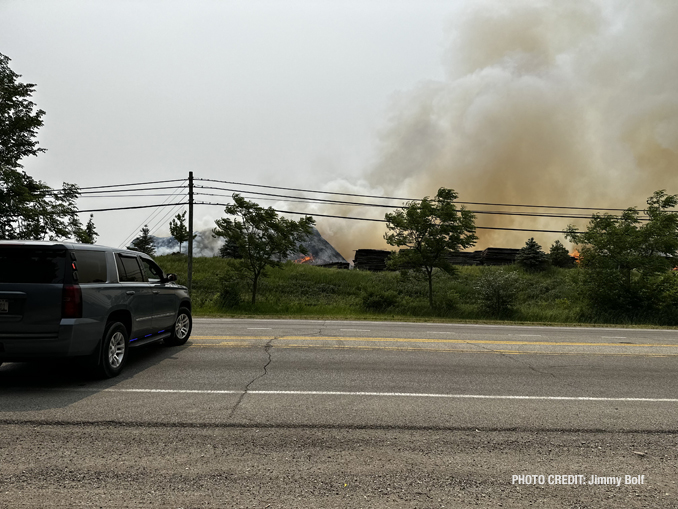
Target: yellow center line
(415,349)
(421,340)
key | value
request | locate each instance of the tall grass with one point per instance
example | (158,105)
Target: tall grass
(314,292)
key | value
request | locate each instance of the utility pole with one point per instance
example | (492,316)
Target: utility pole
(190,230)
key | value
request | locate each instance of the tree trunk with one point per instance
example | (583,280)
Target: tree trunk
(430,287)
(254,288)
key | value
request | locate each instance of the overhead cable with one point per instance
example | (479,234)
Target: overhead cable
(384,221)
(325,201)
(403,199)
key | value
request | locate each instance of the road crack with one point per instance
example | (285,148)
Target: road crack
(267,349)
(518,359)
(515,358)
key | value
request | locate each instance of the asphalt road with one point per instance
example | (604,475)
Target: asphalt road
(350,414)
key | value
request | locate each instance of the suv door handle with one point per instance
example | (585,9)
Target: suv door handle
(131,292)
(156,292)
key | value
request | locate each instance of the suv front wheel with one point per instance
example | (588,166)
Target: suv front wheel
(114,350)
(182,328)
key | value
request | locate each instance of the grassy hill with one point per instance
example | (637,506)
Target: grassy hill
(314,292)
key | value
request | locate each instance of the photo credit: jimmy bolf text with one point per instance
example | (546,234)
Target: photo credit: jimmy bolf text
(614,480)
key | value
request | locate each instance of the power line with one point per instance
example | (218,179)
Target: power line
(130,195)
(135,184)
(80,189)
(149,218)
(132,190)
(405,199)
(170,212)
(133,207)
(384,221)
(324,201)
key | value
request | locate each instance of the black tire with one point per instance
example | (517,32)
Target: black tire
(114,351)
(181,330)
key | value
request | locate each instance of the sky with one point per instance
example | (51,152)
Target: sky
(521,102)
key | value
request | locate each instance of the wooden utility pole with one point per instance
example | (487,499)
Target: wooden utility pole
(190,230)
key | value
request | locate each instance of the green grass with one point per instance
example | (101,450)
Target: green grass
(304,291)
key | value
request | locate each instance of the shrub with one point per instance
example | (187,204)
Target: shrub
(229,295)
(449,301)
(497,291)
(379,301)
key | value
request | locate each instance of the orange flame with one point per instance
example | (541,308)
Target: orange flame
(575,254)
(304,259)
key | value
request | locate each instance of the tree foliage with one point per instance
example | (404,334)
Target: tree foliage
(19,120)
(531,257)
(88,234)
(429,230)
(559,256)
(230,250)
(144,242)
(262,237)
(622,256)
(178,229)
(29,209)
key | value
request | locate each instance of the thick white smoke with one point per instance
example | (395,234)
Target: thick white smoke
(544,102)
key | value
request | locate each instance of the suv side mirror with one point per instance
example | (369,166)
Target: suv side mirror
(171,277)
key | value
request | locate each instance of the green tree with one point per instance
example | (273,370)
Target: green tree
(88,234)
(230,250)
(497,290)
(29,209)
(621,255)
(144,242)
(430,230)
(178,229)
(559,256)
(263,238)
(531,257)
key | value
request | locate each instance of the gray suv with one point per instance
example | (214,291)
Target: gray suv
(60,299)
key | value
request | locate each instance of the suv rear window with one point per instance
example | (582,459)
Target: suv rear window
(32,265)
(91,266)
(128,268)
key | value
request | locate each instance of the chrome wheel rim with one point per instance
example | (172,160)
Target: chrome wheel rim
(182,325)
(116,349)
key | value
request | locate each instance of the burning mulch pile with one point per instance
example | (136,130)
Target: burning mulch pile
(370,259)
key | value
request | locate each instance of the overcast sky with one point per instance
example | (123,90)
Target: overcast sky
(522,102)
(284,93)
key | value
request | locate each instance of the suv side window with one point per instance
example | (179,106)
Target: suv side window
(91,266)
(151,270)
(128,268)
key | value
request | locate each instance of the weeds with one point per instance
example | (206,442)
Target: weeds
(473,294)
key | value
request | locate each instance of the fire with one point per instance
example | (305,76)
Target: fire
(304,259)
(575,254)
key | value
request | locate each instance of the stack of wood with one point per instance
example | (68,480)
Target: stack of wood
(499,256)
(464,258)
(370,259)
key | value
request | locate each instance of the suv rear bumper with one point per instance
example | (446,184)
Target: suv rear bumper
(75,337)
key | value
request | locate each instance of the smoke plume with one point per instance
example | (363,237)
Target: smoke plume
(552,103)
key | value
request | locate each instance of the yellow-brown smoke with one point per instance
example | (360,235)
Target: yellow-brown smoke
(554,103)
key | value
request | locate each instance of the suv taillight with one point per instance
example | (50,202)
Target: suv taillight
(71,302)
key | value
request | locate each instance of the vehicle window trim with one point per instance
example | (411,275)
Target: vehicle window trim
(125,255)
(105,260)
(159,281)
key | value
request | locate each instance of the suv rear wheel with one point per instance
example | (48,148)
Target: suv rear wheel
(182,328)
(114,349)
